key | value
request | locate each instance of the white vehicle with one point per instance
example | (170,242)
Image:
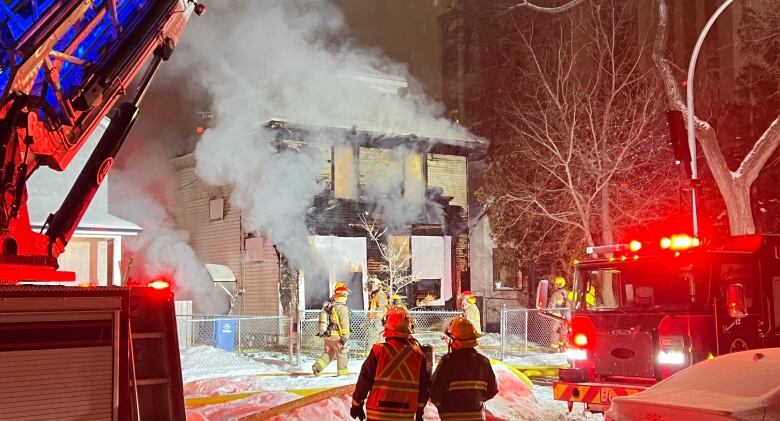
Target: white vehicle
(739,386)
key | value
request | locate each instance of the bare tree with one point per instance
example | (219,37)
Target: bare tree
(396,256)
(734,185)
(586,156)
(546,9)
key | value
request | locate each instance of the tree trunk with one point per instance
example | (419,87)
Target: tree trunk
(607,230)
(737,197)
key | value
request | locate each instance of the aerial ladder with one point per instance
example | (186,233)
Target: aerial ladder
(70,353)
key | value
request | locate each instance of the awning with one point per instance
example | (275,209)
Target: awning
(220,273)
(96,221)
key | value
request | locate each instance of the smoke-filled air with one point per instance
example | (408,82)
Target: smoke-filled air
(262,60)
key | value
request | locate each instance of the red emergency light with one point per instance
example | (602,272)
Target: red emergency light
(159,284)
(680,242)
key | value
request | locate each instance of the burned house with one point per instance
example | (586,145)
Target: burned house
(420,207)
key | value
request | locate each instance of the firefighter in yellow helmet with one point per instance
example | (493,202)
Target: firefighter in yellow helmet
(394,377)
(470,310)
(559,301)
(590,296)
(397,300)
(336,333)
(464,378)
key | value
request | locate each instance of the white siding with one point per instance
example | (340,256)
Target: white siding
(221,242)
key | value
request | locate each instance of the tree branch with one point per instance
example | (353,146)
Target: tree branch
(544,9)
(758,156)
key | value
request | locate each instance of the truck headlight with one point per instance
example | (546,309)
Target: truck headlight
(671,357)
(577,354)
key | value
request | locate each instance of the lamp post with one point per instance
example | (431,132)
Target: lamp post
(691,115)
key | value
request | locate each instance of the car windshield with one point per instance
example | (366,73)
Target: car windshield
(635,287)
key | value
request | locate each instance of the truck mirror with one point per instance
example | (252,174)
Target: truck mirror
(735,300)
(541,294)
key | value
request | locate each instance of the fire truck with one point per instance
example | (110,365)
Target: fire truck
(72,353)
(643,311)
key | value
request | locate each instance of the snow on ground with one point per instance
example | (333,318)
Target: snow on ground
(211,372)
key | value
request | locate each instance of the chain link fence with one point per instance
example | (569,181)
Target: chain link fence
(525,331)
(522,332)
(365,331)
(240,334)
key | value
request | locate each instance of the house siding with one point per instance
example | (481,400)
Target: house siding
(221,242)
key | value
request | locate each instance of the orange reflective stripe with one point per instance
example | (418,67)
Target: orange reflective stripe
(396,362)
(396,387)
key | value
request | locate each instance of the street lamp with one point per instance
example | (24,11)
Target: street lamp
(691,115)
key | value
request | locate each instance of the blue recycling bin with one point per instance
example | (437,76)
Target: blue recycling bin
(225,334)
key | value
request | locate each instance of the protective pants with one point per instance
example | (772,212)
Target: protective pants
(334,350)
(374,332)
(558,336)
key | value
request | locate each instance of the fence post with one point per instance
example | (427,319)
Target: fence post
(526,331)
(503,331)
(299,342)
(238,335)
(290,333)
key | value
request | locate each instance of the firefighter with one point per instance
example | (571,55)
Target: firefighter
(470,310)
(394,377)
(558,301)
(464,378)
(337,333)
(377,306)
(590,297)
(398,301)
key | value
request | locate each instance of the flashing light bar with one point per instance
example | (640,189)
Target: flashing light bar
(633,246)
(159,284)
(680,242)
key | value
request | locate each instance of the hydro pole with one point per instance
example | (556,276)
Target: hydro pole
(691,114)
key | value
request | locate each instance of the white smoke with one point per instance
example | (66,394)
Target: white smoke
(384,189)
(143,194)
(266,59)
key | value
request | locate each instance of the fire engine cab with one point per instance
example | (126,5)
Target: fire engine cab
(643,311)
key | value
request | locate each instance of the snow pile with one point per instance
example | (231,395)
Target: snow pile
(205,362)
(212,372)
(515,400)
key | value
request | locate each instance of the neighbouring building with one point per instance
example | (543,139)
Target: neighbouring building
(95,251)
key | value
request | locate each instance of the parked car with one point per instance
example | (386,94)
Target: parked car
(739,386)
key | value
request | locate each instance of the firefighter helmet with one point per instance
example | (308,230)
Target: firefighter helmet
(560,281)
(461,329)
(468,296)
(341,289)
(396,321)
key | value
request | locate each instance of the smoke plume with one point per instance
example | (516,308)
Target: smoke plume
(267,59)
(144,194)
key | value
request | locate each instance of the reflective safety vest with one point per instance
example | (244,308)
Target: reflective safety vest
(395,392)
